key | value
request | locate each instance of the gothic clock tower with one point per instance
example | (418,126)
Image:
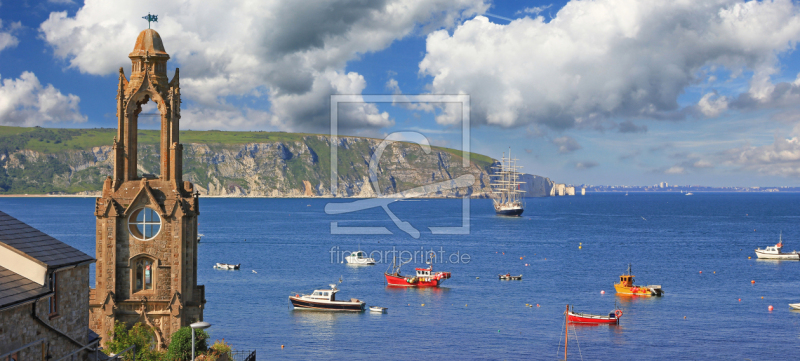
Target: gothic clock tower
(146,268)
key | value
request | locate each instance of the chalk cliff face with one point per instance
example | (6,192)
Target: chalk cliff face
(536,186)
(269,169)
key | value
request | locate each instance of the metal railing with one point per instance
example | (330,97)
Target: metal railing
(243,355)
(71,355)
(117,356)
(18,349)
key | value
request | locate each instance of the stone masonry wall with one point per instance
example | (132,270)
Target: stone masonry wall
(17,326)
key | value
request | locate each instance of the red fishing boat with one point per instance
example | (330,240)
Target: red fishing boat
(575,317)
(425,277)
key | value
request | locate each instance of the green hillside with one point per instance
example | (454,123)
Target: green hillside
(46,160)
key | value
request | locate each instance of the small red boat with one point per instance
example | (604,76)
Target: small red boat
(613,317)
(425,277)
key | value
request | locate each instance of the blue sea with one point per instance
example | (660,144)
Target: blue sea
(568,250)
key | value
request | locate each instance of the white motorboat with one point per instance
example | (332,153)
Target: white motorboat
(795,306)
(227,266)
(325,300)
(689,194)
(377,309)
(775,252)
(359,258)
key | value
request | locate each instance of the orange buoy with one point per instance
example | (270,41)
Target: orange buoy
(701,271)
(753,281)
(684,317)
(602,292)
(762,297)
(537,305)
(504,253)
(281,346)
(740,300)
(520,258)
(748,257)
(770,308)
(545,259)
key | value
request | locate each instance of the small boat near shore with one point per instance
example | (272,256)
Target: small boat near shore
(376,309)
(325,300)
(576,317)
(509,277)
(794,306)
(626,287)
(775,252)
(227,266)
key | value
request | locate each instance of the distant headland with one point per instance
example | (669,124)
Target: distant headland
(74,162)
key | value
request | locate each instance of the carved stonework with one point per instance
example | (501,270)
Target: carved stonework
(147,224)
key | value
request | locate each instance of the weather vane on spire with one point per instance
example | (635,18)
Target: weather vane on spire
(150,18)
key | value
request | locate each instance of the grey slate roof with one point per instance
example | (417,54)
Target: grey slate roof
(37,245)
(15,288)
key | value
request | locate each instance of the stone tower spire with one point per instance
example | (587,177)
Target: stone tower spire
(147,225)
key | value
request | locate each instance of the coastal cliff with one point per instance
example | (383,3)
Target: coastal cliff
(247,164)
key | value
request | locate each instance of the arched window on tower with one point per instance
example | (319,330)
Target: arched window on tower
(147,149)
(143,274)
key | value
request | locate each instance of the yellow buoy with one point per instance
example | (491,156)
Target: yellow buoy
(423,305)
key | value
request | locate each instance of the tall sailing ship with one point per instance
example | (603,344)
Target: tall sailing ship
(506,187)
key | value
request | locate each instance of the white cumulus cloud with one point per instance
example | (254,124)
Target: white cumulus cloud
(24,101)
(712,104)
(604,58)
(7,37)
(566,144)
(782,157)
(290,55)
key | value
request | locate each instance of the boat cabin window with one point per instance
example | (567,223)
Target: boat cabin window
(325,294)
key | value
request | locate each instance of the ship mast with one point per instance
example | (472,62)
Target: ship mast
(506,181)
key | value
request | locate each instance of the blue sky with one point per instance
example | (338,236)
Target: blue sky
(595,92)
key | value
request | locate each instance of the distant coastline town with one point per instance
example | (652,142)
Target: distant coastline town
(666,187)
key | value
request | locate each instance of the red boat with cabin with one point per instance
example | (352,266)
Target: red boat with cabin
(425,277)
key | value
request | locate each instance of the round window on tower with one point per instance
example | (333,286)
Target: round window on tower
(144,224)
